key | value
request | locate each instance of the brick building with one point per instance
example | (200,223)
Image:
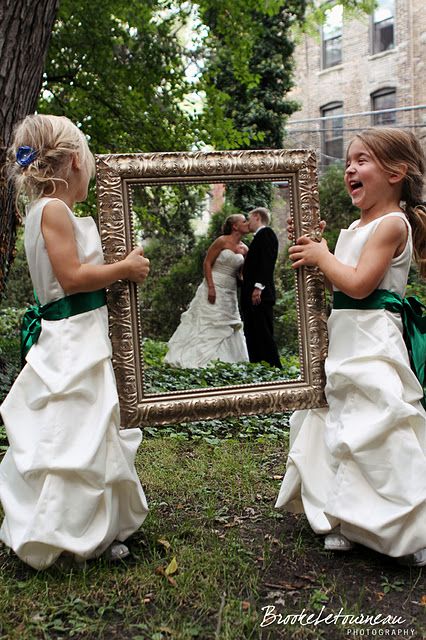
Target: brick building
(359,72)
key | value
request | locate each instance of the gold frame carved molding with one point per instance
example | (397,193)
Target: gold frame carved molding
(116,174)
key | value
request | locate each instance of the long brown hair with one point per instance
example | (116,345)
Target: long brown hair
(392,149)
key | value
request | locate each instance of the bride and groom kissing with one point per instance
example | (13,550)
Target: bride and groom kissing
(211,328)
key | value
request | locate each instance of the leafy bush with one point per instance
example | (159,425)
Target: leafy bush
(285,310)
(161,378)
(273,426)
(335,203)
(19,289)
(10,356)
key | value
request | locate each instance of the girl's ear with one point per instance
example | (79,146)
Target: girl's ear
(75,162)
(398,176)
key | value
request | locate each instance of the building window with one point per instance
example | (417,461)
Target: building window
(381,100)
(332,132)
(383,26)
(332,37)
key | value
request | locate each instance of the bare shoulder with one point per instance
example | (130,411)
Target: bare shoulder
(55,216)
(392,228)
(55,208)
(219,243)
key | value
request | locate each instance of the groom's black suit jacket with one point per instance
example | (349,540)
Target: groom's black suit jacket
(259,267)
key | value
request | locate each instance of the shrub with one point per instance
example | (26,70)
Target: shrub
(335,203)
(10,356)
(19,289)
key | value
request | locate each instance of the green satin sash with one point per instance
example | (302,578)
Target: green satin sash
(57,310)
(413,316)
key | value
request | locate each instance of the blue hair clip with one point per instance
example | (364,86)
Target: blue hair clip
(25,156)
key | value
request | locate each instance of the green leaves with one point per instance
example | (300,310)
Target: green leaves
(117,68)
(248,61)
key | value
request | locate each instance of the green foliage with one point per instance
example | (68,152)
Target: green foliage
(10,323)
(248,69)
(167,211)
(335,203)
(416,285)
(316,13)
(261,428)
(161,378)
(246,77)
(170,290)
(10,355)
(249,195)
(19,289)
(285,310)
(117,68)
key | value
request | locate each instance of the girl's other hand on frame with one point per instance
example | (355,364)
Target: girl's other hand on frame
(137,265)
(307,252)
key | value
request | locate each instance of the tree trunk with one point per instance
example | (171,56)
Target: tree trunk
(25,29)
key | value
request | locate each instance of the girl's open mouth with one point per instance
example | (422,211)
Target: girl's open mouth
(354,185)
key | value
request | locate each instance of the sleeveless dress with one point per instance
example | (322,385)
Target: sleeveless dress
(207,331)
(360,463)
(67,481)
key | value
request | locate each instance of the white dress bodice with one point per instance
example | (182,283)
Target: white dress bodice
(87,240)
(225,268)
(351,242)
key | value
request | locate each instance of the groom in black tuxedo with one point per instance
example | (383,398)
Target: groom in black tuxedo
(258,289)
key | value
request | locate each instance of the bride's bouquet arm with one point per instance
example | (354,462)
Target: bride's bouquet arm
(211,255)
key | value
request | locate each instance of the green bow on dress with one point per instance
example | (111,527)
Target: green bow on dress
(56,310)
(413,316)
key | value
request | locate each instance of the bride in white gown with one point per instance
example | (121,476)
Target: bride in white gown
(211,328)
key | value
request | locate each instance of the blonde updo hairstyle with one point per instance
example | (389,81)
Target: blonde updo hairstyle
(56,140)
(229,223)
(395,149)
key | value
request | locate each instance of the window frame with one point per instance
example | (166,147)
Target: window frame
(333,38)
(325,112)
(390,119)
(375,31)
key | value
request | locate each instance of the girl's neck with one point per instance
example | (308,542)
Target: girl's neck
(63,195)
(379,210)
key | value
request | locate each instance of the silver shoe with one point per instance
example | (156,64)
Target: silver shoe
(117,551)
(417,559)
(337,542)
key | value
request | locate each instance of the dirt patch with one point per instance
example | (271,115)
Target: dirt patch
(303,578)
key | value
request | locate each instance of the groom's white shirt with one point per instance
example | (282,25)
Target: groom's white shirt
(259,285)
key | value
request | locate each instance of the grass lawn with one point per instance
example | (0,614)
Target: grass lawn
(211,555)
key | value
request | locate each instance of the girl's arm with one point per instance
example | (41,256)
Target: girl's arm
(211,255)
(72,275)
(358,282)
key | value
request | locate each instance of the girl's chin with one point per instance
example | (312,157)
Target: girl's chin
(356,199)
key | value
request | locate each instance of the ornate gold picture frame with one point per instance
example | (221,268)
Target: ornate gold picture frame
(117,175)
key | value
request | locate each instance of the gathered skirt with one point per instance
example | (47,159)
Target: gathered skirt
(68,480)
(209,332)
(361,463)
